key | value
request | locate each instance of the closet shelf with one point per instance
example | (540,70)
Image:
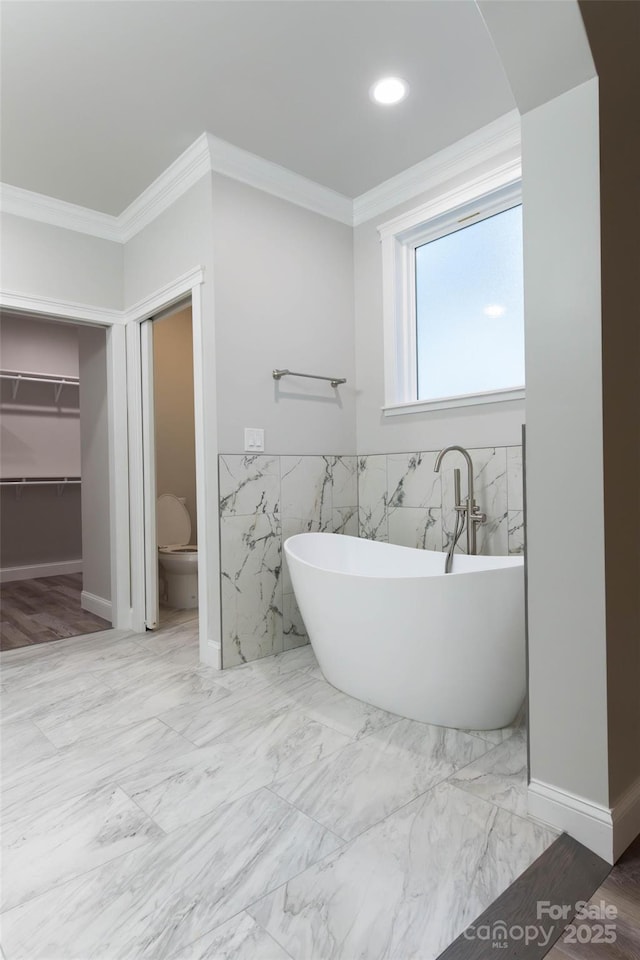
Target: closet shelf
(19,376)
(19,483)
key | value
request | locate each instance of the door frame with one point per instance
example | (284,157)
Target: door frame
(113,321)
(188,285)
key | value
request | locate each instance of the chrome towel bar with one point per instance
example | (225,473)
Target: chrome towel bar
(334,381)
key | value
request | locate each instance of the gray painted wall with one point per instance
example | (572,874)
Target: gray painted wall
(284,298)
(567,652)
(40,260)
(482,426)
(175,429)
(94,443)
(178,241)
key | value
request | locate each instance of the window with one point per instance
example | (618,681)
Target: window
(454,303)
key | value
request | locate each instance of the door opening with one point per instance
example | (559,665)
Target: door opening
(170,485)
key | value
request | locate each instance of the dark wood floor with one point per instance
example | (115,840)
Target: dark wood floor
(618,900)
(565,875)
(37,611)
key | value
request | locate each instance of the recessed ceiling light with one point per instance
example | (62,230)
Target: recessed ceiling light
(389,90)
(494,310)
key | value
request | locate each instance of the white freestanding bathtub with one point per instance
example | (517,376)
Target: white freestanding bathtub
(389,627)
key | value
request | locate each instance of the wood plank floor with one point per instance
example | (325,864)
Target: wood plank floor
(619,897)
(48,608)
(565,874)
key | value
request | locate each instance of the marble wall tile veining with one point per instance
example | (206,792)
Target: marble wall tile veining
(414,506)
(515,521)
(294,494)
(345,520)
(412,481)
(416,527)
(515,493)
(306,490)
(397,498)
(293,628)
(251,569)
(373,497)
(249,484)
(344,489)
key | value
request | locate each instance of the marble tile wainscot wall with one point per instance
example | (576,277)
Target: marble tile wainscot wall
(401,500)
(263,500)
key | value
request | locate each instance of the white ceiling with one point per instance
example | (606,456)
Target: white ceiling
(98,98)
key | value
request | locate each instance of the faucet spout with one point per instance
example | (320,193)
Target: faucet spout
(465,454)
(469,508)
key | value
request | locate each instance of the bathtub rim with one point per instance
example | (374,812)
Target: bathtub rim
(515,562)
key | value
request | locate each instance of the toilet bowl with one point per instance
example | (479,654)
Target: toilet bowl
(178,558)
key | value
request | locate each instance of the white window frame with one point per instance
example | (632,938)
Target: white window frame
(478,199)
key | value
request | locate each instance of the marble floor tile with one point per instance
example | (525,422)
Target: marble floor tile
(26,702)
(192,785)
(499,776)
(408,886)
(269,669)
(69,839)
(155,901)
(497,736)
(335,709)
(238,939)
(131,705)
(369,779)
(85,766)
(69,709)
(245,706)
(23,745)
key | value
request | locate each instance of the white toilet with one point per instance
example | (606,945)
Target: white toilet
(177,557)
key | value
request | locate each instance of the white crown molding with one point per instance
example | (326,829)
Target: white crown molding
(232,161)
(172,183)
(63,309)
(485,144)
(210,154)
(58,213)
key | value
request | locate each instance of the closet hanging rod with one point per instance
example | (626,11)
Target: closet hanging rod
(334,381)
(17,377)
(37,482)
(38,377)
(20,483)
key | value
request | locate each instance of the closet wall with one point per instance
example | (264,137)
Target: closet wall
(41,529)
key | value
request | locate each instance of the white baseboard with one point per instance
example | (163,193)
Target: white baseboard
(97,605)
(33,570)
(626,819)
(607,831)
(589,823)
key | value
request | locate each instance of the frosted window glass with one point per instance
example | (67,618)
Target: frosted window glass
(470,309)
